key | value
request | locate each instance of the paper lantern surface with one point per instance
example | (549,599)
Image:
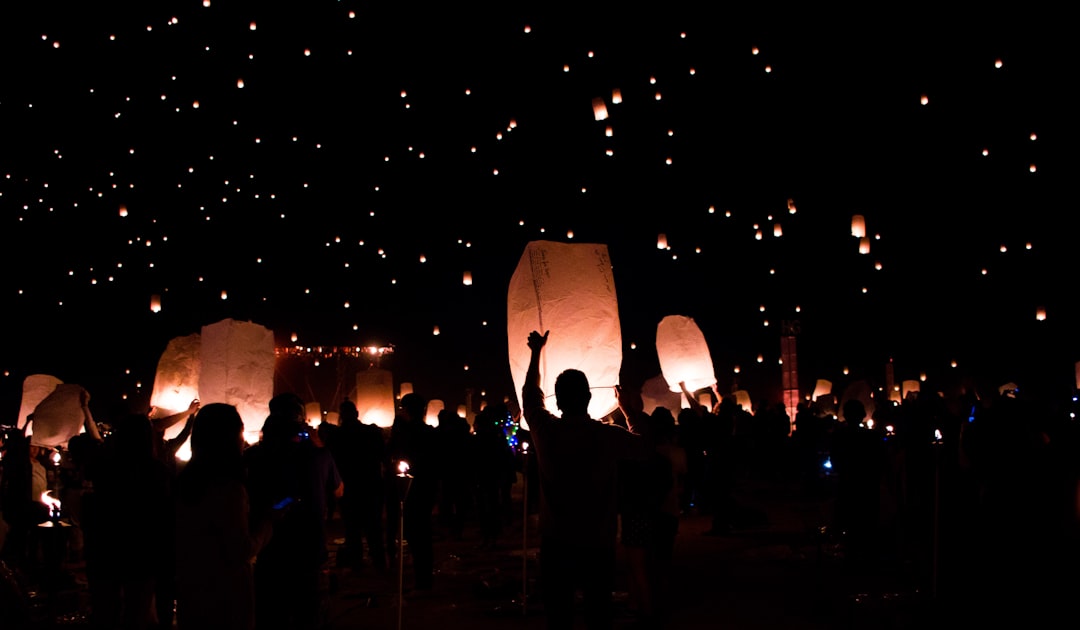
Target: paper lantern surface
(35,388)
(683,354)
(375,397)
(434,407)
(822,388)
(59,416)
(656,393)
(569,290)
(237,368)
(176,382)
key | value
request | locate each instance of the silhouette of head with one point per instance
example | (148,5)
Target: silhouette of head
(572,393)
(854,412)
(217,433)
(415,406)
(347,411)
(287,404)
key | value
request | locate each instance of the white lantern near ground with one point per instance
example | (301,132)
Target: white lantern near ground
(683,354)
(433,408)
(36,387)
(568,290)
(375,396)
(313,413)
(59,416)
(822,388)
(237,368)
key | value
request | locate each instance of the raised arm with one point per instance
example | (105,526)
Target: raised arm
(161,424)
(88,418)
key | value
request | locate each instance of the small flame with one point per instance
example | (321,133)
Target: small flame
(524,447)
(50,502)
(403,468)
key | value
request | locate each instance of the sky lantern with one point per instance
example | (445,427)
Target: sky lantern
(431,416)
(375,396)
(616,96)
(1040,313)
(864,245)
(466,278)
(742,399)
(237,368)
(404,389)
(661,241)
(683,354)
(59,416)
(822,389)
(313,413)
(176,380)
(155,303)
(656,393)
(599,109)
(123,210)
(777,231)
(567,289)
(910,386)
(858,226)
(36,387)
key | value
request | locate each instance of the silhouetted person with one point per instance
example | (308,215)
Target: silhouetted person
(123,521)
(578,462)
(457,471)
(413,441)
(496,466)
(282,468)
(360,452)
(217,536)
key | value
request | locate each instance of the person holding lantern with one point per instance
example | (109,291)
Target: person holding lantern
(578,460)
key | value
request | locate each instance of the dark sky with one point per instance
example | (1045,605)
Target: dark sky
(363,140)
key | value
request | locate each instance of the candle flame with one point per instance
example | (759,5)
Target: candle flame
(403,468)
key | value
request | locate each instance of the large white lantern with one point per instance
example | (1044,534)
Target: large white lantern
(683,354)
(569,290)
(59,416)
(822,389)
(237,368)
(858,226)
(36,387)
(176,382)
(375,396)
(433,408)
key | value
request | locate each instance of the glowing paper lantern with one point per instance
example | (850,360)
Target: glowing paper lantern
(333,417)
(864,245)
(661,241)
(404,389)
(155,303)
(433,408)
(742,399)
(237,368)
(616,96)
(375,396)
(683,354)
(656,393)
(176,382)
(59,416)
(466,278)
(36,387)
(313,413)
(822,388)
(1040,314)
(599,109)
(910,386)
(858,226)
(569,290)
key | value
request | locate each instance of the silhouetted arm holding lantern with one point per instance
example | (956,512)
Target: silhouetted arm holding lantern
(532,395)
(162,424)
(695,405)
(173,445)
(633,409)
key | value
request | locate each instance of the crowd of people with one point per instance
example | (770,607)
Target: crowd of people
(237,537)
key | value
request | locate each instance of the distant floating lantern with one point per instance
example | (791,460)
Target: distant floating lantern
(155,303)
(661,241)
(757,235)
(616,96)
(791,206)
(599,109)
(822,388)
(1040,314)
(466,278)
(435,331)
(910,386)
(251,26)
(123,211)
(864,245)
(924,99)
(431,417)
(239,83)
(224,295)
(608,131)
(777,231)
(858,226)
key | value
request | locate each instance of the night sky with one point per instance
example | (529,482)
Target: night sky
(334,169)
